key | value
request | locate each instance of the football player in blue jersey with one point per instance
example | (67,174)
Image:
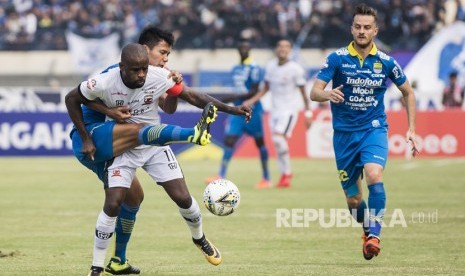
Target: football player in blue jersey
(359,75)
(246,78)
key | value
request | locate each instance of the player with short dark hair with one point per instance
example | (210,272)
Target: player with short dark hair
(359,74)
(135,79)
(246,77)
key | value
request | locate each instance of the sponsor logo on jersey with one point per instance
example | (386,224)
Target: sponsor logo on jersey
(346,65)
(362,91)
(378,75)
(91,84)
(364,82)
(119,102)
(365,71)
(375,123)
(377,67)
(148,99)
(119,94)
(349,73)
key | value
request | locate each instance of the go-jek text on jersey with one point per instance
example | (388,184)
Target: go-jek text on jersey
(364,85)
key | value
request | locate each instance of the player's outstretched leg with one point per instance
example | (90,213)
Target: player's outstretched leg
(211,253)
(202,134)
(161,135)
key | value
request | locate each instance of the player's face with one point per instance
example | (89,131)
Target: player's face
(283,49)
(134,73)
(244,49)
(158,55)
(364,29)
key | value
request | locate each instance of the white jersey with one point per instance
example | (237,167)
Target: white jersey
(142,102)
(284,80)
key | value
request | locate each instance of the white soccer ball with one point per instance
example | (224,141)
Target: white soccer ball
(221,197)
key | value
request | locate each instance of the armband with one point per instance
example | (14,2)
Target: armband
(176,89)
(308,114)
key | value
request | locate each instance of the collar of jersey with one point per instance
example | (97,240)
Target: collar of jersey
(247,61)
(354,53)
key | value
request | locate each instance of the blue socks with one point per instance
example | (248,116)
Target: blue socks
(123,230)
(264,161)
(161,135)
(361,216)
(377,204)
(227,155)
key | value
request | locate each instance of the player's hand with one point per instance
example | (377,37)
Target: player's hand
(120,114)
(243,110)
(88,148)
(248,102)
(412,140)
(177,77)
(308,115)
(336,95)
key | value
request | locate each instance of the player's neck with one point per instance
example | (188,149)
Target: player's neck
(365,51)
(282,61)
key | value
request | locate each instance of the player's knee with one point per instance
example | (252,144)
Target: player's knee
(259,142)
(230,141)
(184,201)
(280,143)
(354,202)
(374,175)
(133,129)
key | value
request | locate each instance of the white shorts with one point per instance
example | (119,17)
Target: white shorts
(159,162)
(283,122)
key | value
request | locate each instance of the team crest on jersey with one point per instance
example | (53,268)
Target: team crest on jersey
(148,99)
(91,84)
(377,67)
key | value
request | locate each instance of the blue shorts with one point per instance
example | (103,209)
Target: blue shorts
(102,136)
(355,149)
(236,125)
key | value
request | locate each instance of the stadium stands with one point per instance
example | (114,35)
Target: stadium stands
(202,24)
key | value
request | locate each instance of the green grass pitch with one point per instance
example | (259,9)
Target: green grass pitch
(48,208)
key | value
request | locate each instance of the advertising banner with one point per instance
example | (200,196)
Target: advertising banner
(439,134)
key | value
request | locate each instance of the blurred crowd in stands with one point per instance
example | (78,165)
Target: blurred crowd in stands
(214,24)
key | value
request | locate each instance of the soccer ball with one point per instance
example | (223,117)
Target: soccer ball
(221,197)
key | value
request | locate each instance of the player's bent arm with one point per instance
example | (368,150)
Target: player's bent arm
(119,114)
(73,101)
(168,103)
(199,100)
(258,95)
(318,92)
(252,91)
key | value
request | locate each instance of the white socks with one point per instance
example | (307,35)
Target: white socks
(282,149)
(193,219)
(103,232)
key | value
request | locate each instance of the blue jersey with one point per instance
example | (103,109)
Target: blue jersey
(244,76)
(364,85)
